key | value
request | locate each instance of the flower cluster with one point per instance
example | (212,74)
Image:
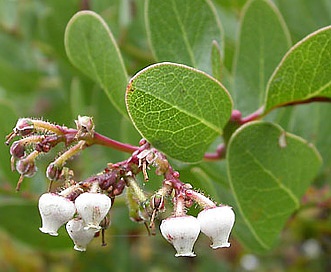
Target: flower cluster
(182,230)
(39,137)
(82,215)
(83,206)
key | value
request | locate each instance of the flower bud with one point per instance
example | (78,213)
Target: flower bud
(24,127)
(118,188)
(17,150)
(55,210)
(181,232)
(92,207)
(217,223)
(53,172)
(26,167)
(78,234)
(85,126)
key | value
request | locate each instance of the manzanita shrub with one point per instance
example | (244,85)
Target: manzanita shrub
(188,110)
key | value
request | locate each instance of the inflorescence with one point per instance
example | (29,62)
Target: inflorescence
(83,206)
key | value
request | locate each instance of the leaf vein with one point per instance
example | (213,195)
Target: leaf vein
(275,179)
(203,121)
(184,35)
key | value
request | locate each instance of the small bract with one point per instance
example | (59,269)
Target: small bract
(92,208)
(78,234)
(217,224)
(181,232)
(55,210)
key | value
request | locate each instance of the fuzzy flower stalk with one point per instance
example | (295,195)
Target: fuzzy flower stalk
(84,206)
(215,221)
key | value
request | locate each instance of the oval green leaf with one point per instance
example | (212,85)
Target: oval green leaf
(269,171)
(92,48)
(183,31)
(263,41)
(308,121)
(178,109)
(304,73)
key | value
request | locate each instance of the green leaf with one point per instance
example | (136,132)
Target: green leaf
(52,24)
(216,61)
(308,121)
(263,41)
(178,109)
(183,31)
(304,73)
(305,16)
(77,104)
(91,47)
(269,171)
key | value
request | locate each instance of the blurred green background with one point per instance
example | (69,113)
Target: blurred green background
(37,80)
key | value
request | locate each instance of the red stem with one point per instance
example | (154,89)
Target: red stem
(100,140)
(105,141)
(253,116)
(219,154)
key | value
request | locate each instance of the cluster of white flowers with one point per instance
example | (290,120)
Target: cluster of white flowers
(183,231)
(83,206)
(82,216)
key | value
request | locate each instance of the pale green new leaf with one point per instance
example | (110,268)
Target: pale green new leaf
(304,73)
(263,41)
(92,48)
(183,31)
(178,109)
(269,171)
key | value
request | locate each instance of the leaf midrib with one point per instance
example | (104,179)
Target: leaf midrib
(245,218)
(274,178)
(184,35)
(203,121)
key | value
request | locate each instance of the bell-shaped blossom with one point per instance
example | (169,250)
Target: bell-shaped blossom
(181,232)
(217,224)
(92,208)
(79,234)
(55,210)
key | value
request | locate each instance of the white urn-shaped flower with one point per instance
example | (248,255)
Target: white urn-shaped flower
(217,223)
(92,208)
(55,210)
(181,232)
(79,234)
